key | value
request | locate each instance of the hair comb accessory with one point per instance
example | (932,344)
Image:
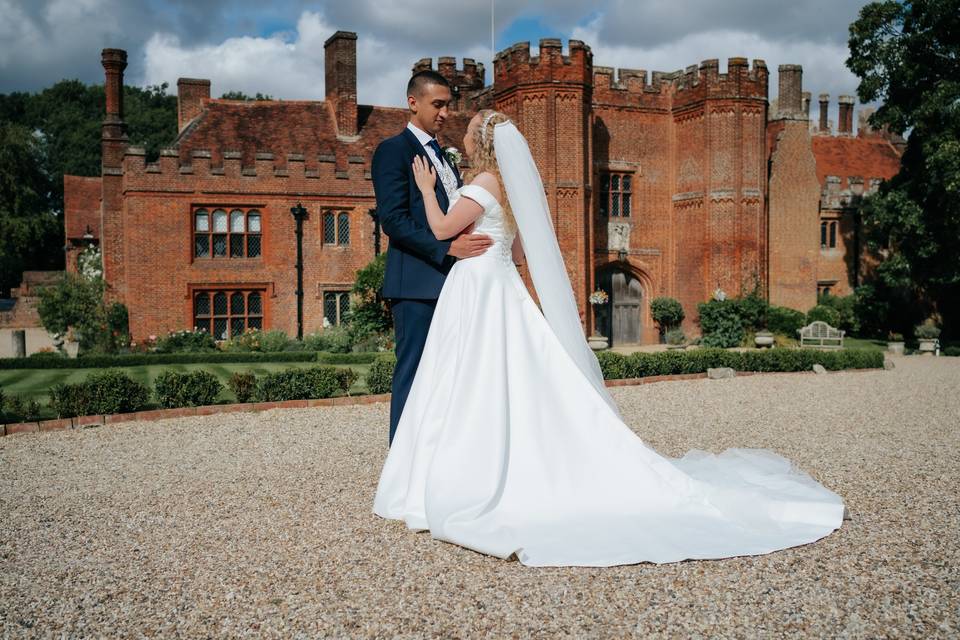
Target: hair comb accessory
(483,127)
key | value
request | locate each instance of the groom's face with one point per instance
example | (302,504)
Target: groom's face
(430,108)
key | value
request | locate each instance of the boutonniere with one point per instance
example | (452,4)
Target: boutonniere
(453,156)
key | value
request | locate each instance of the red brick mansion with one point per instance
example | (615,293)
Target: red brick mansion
(660,184)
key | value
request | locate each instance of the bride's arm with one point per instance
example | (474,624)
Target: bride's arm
(464,212)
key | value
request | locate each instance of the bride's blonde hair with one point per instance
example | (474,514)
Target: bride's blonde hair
(484,157)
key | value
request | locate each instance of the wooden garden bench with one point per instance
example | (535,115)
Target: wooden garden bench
(819,334)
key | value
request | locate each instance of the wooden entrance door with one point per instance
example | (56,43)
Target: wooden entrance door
(626,300)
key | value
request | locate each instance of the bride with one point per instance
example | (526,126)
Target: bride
(509,442)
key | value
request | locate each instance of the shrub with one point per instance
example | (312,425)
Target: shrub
(752,310)
(951,351)
(302,384)
(338,340)
(721,323)
(257,340)
(784,321)
(380,376)
(612,365)
(666,312)
(71,400)
(113,391)
(191,389)
(32,410)
(824,313)
(846,307)
(369,314)
(186,341)
(243,384)
(39,355)
(135,359)
(15,407)
(927,331)
(676,336)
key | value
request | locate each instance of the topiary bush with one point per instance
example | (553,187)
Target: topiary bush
(303,384)
(721,323)
(191,389)
(380,376)
(71,400)
(104,392)
(666,312)
(612,364)
(242,384)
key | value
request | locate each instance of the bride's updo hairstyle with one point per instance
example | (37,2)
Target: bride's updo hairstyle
(485,158)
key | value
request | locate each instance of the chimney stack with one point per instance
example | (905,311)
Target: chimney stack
(340,58)
(113,131)
(191,96)
(845,124)
(824,112)
(790,97)
(806,104)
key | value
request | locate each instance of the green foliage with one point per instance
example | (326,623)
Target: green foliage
(666,312)
(721,323)
(640,364)
(240,95)
(257,340)
(336,340)
(752,310)
(243,384)
(951,351)
(676,336)
(823,313)
(369,314)
(136,359)
(301,384)
(380,375)
(846,308)
(927,331)
(346,358)
(191,389)
(186,341)
(906,56)
(784,320)
(15,409)
(104,392)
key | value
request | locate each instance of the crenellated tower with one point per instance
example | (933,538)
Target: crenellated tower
(548,96)
(465,82)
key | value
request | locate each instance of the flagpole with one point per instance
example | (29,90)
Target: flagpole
(492,44)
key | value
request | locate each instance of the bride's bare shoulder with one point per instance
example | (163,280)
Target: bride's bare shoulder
(489,182)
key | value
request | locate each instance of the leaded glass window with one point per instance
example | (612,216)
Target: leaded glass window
(329,230)
(225,314)
(219,235)
(336,304)
(615,194)
(343,228)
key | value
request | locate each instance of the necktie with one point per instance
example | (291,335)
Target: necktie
(433,144)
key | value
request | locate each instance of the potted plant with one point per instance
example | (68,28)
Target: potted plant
(895,343)
(927,334)
(763,338)
(596,341)
(668,314)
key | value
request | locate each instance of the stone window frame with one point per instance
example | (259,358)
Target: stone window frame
(829,233)
(246,239)
(335,227)
(235,320)
(341,301)
(825,287)
(608,196)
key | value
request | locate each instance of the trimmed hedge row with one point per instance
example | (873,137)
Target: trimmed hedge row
(665,363)
(113,391)
(380,376)
(217,357)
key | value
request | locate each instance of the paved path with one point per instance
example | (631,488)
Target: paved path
(259,525)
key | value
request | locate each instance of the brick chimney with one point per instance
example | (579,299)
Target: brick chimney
(113,131)
(824,112)
(845,121)
(806,104)
(340,57)
(790,97)
(191,95)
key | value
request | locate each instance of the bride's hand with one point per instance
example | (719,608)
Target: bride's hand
(424,174)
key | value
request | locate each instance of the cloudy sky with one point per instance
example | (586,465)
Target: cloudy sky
(276,46)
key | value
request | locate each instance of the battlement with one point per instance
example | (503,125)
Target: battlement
(514,65)
(325,172)
(693,82)
(464,81)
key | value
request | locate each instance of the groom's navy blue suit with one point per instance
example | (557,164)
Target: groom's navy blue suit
(417,263)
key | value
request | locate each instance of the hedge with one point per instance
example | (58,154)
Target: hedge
(217,357)
(104,392)
(302,384)
(190,389)
(380,376)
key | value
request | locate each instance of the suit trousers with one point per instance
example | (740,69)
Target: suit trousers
(411,323)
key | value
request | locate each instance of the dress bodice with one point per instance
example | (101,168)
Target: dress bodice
(492,221)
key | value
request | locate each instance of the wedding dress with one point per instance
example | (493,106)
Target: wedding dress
(509,443)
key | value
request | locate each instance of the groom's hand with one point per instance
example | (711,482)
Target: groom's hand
(469,245)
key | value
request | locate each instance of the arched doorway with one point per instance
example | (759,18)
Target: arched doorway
(619,320)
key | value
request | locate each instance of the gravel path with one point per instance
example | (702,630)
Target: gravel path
(260,525)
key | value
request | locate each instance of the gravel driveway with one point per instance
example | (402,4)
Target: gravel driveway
(260,525)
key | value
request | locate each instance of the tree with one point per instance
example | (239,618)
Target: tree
(240,95)
(907,55)
(368,312)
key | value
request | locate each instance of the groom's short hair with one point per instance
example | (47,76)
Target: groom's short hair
(421,79)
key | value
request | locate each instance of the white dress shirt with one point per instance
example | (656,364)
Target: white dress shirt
(444,172)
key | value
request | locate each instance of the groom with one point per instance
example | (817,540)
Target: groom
(417,263)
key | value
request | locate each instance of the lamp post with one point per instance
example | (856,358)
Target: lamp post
(299,214)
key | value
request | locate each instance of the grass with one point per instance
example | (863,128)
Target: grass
(34,384)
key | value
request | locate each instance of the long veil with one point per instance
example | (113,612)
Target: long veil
(521,179)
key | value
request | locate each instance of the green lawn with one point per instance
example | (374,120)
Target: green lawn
(34,384)
(865,343)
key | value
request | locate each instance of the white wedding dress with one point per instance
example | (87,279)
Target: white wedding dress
(506,447)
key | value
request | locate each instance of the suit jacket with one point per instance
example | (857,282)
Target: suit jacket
(417,263)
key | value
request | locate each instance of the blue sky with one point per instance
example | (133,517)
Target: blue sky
(277,47)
